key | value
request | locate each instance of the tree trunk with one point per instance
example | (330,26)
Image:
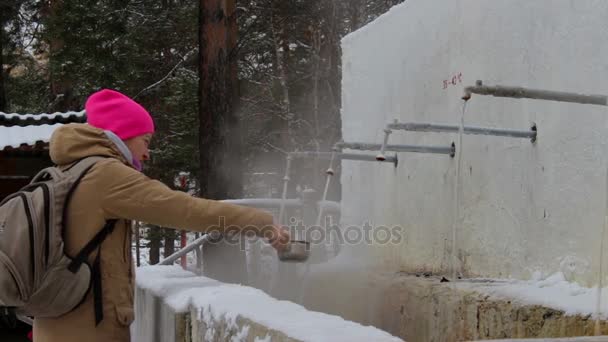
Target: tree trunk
(355,14)
(154,239)
(219,134)
(61,96)
(3,101)
(281,50)
(169,245)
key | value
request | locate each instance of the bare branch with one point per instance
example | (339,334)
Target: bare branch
(182,61)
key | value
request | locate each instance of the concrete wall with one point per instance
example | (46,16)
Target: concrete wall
(176,305)
(419,307)
(526,207)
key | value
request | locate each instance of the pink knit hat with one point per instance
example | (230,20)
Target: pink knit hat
(115,112)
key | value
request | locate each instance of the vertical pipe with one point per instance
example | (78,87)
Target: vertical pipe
(199,260)
(285,184)
(387,133)
(199,256)
(330,173)
(137,252)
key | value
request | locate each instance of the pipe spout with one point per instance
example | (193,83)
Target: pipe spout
(381,156)
(537,94)
(363,146)
(441,128)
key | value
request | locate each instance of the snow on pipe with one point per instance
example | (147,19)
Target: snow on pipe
(519,93)
(429,127)
(361,146)
(189,248)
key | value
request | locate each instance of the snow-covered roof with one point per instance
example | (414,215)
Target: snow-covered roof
(18,136)
(14,119)
(24,131)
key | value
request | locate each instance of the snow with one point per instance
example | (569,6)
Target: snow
(553,292)
(43,115)
(169,282)
(241,336)
(16,136)
(268,338)
(183,290)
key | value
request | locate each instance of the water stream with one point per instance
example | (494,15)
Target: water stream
(456,220)
(598,301)
(330,173)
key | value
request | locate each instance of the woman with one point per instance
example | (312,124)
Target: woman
(120,130)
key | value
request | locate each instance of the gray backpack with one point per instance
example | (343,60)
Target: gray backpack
(37,278)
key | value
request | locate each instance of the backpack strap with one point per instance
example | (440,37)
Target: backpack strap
(95,242)
(83,165)
(82,257)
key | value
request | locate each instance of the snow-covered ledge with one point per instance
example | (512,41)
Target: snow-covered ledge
(177,305)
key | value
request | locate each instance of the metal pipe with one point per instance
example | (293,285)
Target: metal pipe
(182,252)
(450,150)
(273,203)
(381,156)
(330,173)
(264,203)
(342,156)
(285,183)
(538,94)
(199,260)
(429,127)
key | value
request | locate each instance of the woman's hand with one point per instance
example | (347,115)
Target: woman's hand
(279,238)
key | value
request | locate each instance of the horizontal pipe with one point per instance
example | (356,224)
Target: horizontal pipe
(265,203)
(274,203)
(428,127)
(343,156)
(189,248)
(538,94)
(450,150)
(366,157)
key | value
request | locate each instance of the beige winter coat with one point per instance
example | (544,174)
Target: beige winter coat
(114,190)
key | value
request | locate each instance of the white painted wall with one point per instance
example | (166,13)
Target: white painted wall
(526,208)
